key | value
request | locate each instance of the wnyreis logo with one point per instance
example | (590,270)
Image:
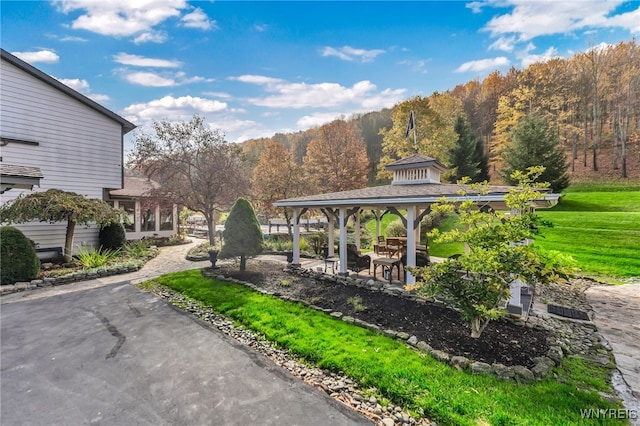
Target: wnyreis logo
(608,413)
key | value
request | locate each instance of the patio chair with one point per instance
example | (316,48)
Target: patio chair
(381,247)
(421,260)
(357,262)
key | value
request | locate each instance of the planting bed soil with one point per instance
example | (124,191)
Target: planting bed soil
(442,328)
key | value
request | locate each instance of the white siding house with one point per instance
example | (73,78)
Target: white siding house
(75,143)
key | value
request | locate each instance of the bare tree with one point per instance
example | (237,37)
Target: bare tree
(194,166)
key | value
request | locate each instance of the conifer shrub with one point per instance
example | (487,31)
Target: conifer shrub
(18,258)
(112,236)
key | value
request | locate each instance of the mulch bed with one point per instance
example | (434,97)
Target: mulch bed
(442,328)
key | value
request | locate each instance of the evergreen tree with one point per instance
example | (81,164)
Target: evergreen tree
(242,234)
(480,157)
(462,154)
(534,143)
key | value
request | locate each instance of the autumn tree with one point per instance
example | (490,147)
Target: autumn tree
(194,167)
(337,159)
(55,205)
(534,143)
(242,233)
(434,119)
(276,177)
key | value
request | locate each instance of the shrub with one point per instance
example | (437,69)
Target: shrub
(138,249)
(318,240)
(112,236)
(19,261)
(92,258)
(395,228)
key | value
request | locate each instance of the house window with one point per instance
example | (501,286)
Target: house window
(148,220)
(129,208)
(166,219)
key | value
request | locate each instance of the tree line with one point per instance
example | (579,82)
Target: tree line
(592,100)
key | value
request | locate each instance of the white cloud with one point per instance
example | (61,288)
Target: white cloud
(82,86)
(506,44)
(317,119)
(121,17)
(419,66)
(141,61)
(45,56)
(528,58)
(348,53)
(172,109)
(284,94)
(532,19)
(198,19)
(151,79)
(151,37)
(483,65)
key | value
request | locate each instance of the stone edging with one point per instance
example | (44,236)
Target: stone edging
(66,279)
(560,341)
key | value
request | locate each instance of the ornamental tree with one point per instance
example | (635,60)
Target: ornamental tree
(194,167)
(242,234)
(477,282)
(56,205)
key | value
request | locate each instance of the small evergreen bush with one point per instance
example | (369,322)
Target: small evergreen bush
(112,236)
(18,258)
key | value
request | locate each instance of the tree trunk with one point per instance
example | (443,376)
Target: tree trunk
(211,228)
(68,240)
(243,262)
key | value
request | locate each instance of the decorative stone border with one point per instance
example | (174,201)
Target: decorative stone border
(562,341)
(67,279)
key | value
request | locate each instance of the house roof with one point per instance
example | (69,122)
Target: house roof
(127,126)
(134,186)
(18,177)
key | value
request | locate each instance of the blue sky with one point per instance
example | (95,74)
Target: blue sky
(256,68)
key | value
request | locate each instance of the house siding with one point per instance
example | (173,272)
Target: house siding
(79,148)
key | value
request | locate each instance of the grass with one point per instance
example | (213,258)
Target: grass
(598,224)
(399,373)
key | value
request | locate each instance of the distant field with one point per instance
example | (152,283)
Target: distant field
(599,226)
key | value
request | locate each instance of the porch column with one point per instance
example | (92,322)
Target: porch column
(343,241)
(296,237)
(411,242)
(377,224)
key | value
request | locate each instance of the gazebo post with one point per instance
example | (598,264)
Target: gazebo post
(411,242)
(357,226)
(343,241)
(377,223)
(296,237)
(330,239)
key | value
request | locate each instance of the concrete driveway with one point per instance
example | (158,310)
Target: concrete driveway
(114,355)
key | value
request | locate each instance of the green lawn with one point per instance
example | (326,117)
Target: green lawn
(401,374)
(599,226)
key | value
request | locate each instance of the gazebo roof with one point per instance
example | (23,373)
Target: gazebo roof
(398,195)
(415,161)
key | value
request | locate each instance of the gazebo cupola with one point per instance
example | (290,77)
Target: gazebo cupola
(416,169)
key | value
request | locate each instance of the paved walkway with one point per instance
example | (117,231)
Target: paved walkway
(104,352)
(617,317)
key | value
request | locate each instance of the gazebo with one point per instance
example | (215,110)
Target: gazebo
(415,187)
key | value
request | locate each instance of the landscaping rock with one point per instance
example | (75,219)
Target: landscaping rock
(478,367)
(523,374)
